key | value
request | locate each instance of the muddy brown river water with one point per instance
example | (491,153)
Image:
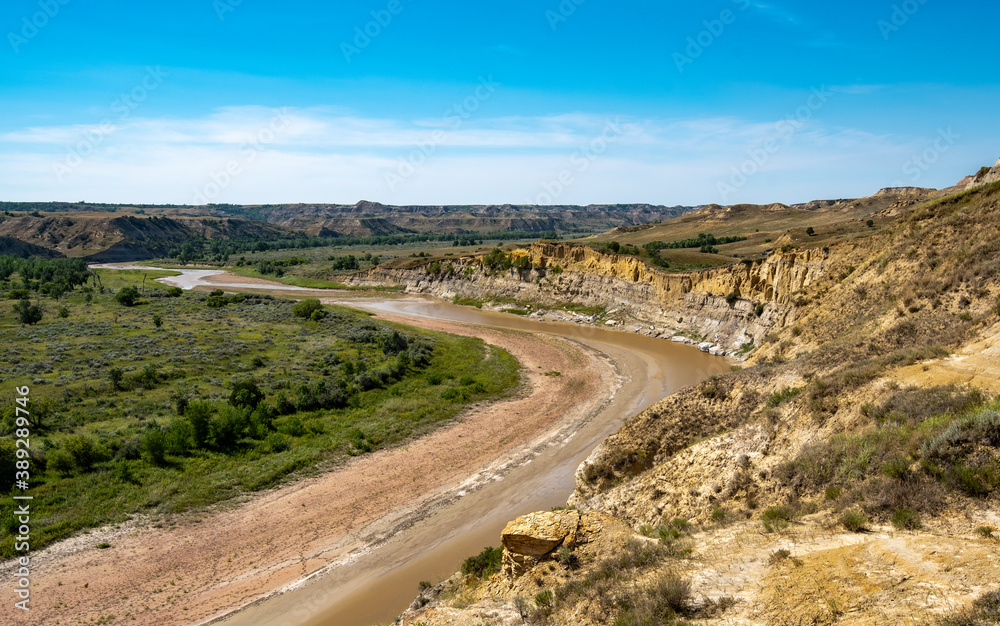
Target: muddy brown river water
(379,584)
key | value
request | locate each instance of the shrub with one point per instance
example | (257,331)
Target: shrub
(779,397)
(291,426)
(179,437)
(484,564)
(127,296)
(228,427)
(199,415)
(61,462)
(276,442)
(984,610)
(777,517)
(157,321)
(8,460)
(28,313)
(568,558)
(905,519)
(154,446)
(246,394)
(63,312)
(174,292)
(306,308)
(854,521)
(986,532)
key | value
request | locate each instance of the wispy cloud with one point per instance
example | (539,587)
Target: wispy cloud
(324,155)
(777,13)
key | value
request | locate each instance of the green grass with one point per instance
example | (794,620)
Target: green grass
(196,355)
(306,282)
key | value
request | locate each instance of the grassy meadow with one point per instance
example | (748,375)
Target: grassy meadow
(182,400)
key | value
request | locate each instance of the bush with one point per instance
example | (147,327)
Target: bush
(127,296)
(28,313)
(246,394)
(228,427)
(984,610)
(484,564)
(276,442)
(291,426)
(154,446)
(199,415)
(306,308)
(174,292)
(179,437)
(61,462)
(905,519)
(777,517)
(854,521)
(157,321)
(8,458)
(63,312)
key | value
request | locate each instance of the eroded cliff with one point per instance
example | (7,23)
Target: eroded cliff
(731,306)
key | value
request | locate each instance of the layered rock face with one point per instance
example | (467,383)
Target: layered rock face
(729,306)
(985,177)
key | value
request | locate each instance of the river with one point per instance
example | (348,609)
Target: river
(381,583)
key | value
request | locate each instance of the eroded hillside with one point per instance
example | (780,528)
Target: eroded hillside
(847,473)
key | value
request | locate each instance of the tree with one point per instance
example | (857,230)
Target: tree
(810,231)
(127,296)
(27,312)
(246,394)
(154,445)
(870,223)
(306,307)
(116,375)
(199,413)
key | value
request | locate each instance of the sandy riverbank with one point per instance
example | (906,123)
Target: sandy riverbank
(202,566)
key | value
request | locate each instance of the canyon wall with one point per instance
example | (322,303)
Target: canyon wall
(729,306)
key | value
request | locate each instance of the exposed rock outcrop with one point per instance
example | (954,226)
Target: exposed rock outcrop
(730,306)
(985,176)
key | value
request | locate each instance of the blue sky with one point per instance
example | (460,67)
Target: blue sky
(571,101)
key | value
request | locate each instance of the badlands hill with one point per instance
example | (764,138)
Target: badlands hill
(126,233)
(846,471)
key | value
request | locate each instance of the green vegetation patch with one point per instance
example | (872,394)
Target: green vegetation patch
(920,444)
(181,401)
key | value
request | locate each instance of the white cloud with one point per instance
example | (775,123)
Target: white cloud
(323,155)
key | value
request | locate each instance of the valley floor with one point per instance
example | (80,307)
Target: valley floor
(208,564)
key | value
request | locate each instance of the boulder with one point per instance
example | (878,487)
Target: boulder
(538,534)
